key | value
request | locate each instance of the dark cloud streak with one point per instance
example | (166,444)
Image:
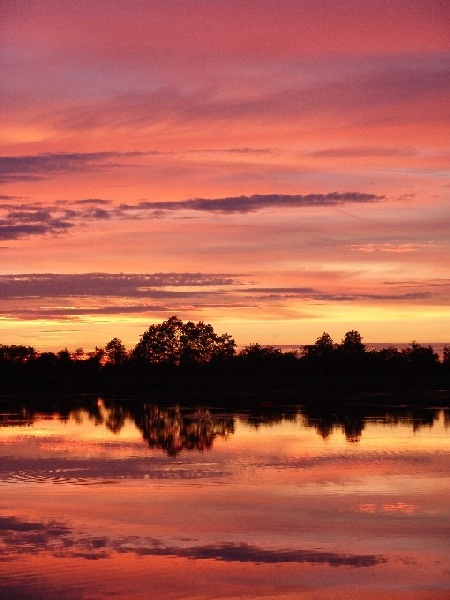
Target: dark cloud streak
(314,294)
(42,166)
(71,297)
(246,204)
(120,285)
(363,152)
(14,232)
(37,218)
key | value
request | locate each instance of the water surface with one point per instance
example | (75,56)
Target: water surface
(103,499)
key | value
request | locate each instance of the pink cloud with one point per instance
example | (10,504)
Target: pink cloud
(199,28)
(182,137)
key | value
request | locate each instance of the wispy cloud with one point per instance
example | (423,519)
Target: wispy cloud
(257,202)
(26,221)
(325,151)
(367,94)
(363,152)
(106,284)
(438,282)
(44,166)
(62,297)
(18,220)
(48,165)
(171,285)
(320,295)
(400,248)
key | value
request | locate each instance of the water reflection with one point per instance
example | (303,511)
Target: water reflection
(353,420)
(118,498)
(174,429)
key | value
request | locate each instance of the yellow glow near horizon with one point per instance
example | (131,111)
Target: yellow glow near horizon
(382,324)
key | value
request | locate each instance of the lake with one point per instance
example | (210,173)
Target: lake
(122,499)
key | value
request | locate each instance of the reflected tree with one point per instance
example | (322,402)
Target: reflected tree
(175,429)
(116,417)
(173,432)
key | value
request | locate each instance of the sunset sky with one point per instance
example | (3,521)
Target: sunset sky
(277,168)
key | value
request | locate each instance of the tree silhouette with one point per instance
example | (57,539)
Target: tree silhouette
(17,353)
(199,344)
(422,363)
(64,356)
(116,352)
(78,354)
(352,342)
(174,342)
(258,353)
(96,356)
(47,359)
(321,347)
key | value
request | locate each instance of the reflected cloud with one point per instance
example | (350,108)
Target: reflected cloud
(244,553)
(400,507)
(397,507)
(57,539)
(368,508)
(17,525)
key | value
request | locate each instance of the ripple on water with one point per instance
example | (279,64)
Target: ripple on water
(53,478)
(114,472)
(37,583)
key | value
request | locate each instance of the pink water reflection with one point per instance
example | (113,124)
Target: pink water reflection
(269,511)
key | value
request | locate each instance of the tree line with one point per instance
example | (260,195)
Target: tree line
(188,355)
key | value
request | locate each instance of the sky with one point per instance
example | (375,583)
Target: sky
(275,168)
